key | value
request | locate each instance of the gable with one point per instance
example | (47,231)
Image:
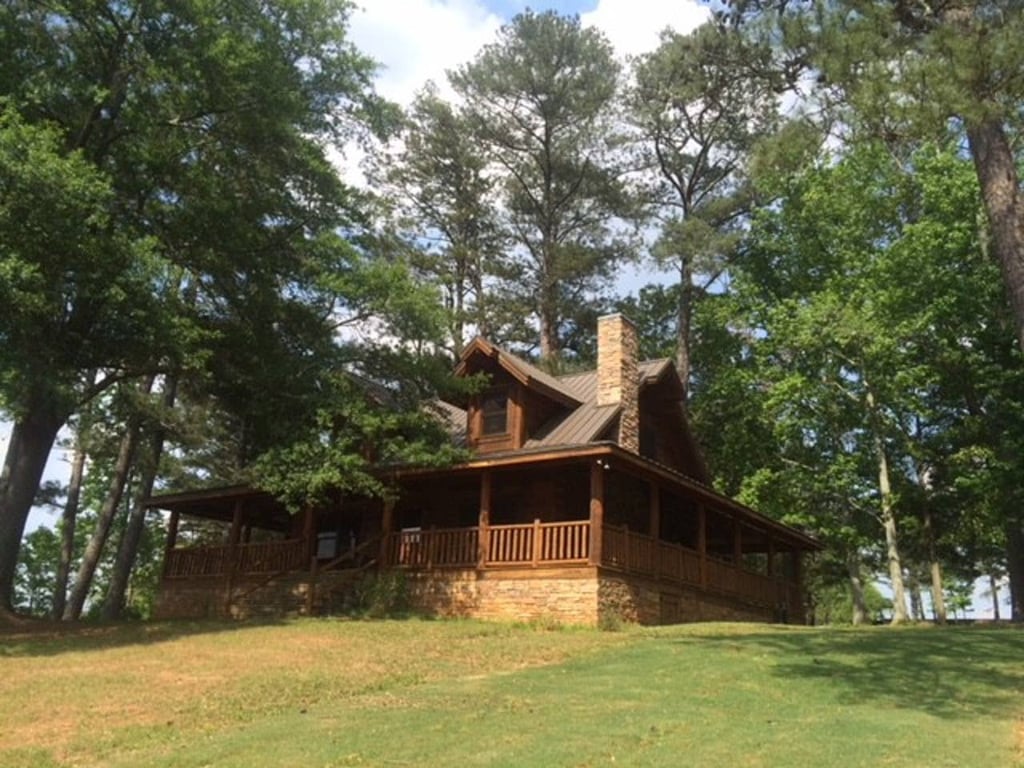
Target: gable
(524,408)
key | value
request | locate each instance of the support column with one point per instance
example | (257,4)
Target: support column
(309,530)
(702,543)
(771,555)
(797,611)
(597,471)
(172,538)
(387,524)
(654,520)
(235,534)
(737,543)
(484,522)
(233,538)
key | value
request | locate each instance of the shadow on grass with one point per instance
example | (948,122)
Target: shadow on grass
(947,672)
(40,637)
(50,638)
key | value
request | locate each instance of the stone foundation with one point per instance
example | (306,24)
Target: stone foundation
(580,595)
(647,601)
(565,595)
(208,598)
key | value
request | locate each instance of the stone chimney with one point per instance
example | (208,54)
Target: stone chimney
(618,375)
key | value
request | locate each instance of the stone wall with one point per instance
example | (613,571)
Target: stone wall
(206,597)
(565,595)
(648,601)
(580,595)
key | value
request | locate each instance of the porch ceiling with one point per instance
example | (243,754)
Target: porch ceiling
(756,525)
(258,508)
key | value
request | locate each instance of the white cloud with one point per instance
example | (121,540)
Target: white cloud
(633,26)
(418,40)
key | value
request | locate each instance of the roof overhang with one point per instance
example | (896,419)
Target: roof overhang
(530,377)
(622,459)
(220,503)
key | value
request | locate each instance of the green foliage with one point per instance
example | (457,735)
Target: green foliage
(379,595)
(70,280)
(358,429)
(445,203)
(699,105)
(833,604)
(36,571)
(539,100)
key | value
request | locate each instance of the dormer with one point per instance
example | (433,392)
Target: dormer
(516,401)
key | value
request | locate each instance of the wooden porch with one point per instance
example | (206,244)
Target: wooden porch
(599,515)
(510,547)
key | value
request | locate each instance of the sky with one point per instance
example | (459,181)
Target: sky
(418,40)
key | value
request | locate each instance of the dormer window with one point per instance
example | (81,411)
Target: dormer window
(494,412)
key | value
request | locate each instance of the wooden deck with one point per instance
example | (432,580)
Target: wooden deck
(503,547)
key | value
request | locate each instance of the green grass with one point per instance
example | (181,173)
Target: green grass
(425,693)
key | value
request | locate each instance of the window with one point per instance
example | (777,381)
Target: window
(494,412)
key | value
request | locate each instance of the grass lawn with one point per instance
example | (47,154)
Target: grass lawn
(437,693)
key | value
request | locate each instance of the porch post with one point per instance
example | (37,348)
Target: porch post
(172,539)
(484,522)
(795,592)
(387,523)
(737,542)
(654,522)
(771,555)
(702,543)
(309,530)
(235,534)
(232,565)
(596,511)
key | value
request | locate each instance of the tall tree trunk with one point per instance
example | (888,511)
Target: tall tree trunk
(892,552)
(127,551)
(105,518)
(913,586)
(1014,530)
(32,438)
(993,584)
(549,344)
(888,515)
(1001,192)
(68,520)
(860,606)
(684,319)
(934,569)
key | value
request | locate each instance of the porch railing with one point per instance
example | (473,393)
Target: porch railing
(506,545)
(531,544)
(261,557)
(637,553)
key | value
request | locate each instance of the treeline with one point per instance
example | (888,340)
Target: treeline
(193,291)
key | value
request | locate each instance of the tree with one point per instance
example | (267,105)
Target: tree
(700,103)
(445,196)
(71,287)
(873,303)
(539,101)
(147,154)
(35,572)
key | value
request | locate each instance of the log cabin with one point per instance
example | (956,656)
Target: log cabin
(584,499)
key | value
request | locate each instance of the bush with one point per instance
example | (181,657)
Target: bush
(379,595)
